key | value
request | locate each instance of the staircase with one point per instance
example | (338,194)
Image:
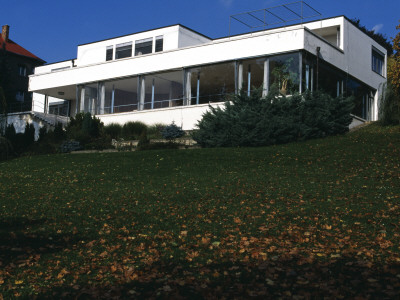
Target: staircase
(50,119)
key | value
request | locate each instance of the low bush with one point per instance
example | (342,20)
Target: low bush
(113,130)
(155,131)
(133,130)
(171,132)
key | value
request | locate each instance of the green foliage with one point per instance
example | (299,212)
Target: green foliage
(133,130)
(29,134)
(42,134)
(84,128)
(113,130)
(171,132)
(276,119)
(6,149)
(21,142)
(155,131)
(59,133)
(143,140)
(10,132)
(389,108)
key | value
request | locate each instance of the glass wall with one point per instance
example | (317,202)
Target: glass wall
(252,74)
(163,90)
(121,95)
(284,73)
(212,83)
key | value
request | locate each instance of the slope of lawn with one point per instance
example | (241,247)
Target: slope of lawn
(312,219)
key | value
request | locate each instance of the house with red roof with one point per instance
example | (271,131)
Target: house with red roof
(16,64)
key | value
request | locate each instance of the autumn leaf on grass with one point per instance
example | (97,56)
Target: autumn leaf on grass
(205,240)
(237,220)
(62,273)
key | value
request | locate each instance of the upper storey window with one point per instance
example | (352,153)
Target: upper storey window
(123,50)
(109,53)
(378,62)
(144,46)
(159,43)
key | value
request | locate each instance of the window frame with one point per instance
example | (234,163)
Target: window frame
(24,70)
(109,50)
(378,62)
(122,48)
(159,39)
(148,46)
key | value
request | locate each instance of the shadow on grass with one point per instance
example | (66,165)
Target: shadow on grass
(19,245)
(338,278)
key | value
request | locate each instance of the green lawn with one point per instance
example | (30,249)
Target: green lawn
(312,219)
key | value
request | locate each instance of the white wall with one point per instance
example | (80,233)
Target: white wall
(96,52)
(20,119)
(185,116)
(56,67)
(189,38)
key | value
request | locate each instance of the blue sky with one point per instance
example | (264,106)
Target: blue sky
(52,29)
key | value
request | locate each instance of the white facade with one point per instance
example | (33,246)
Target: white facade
(172,84)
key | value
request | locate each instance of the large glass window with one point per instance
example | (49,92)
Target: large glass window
(284,73)
(121,95)
(163,90)
(378,61)
(123,50)
(144,46)
(212,83)
(253,74)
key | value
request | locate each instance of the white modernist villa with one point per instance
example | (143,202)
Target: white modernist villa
(174,73)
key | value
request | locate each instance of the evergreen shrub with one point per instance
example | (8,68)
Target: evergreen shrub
(171,132)
(275,119)
(6,149)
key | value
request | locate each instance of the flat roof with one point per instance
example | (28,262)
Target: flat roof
(183,26)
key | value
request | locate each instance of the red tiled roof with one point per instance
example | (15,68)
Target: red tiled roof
(17,49)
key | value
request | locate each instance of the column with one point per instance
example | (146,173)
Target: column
(82,100)
(240,77)
(266,78)
(142,92)
(198,89)
(112,99)
(77,93)
(46,104)
(188,87)
(101,97)
(300,72)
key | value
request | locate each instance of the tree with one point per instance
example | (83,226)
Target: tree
(394,63)
(390,101)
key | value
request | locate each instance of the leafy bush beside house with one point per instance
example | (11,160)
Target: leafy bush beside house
(275,119)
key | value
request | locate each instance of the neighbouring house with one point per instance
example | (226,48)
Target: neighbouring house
(16,64)
(174,73)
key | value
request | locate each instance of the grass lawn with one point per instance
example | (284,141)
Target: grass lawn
(311,219)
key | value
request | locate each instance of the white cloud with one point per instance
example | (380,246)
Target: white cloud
(227,3)
(377,28)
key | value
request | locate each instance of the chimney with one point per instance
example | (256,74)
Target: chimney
(5,32)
